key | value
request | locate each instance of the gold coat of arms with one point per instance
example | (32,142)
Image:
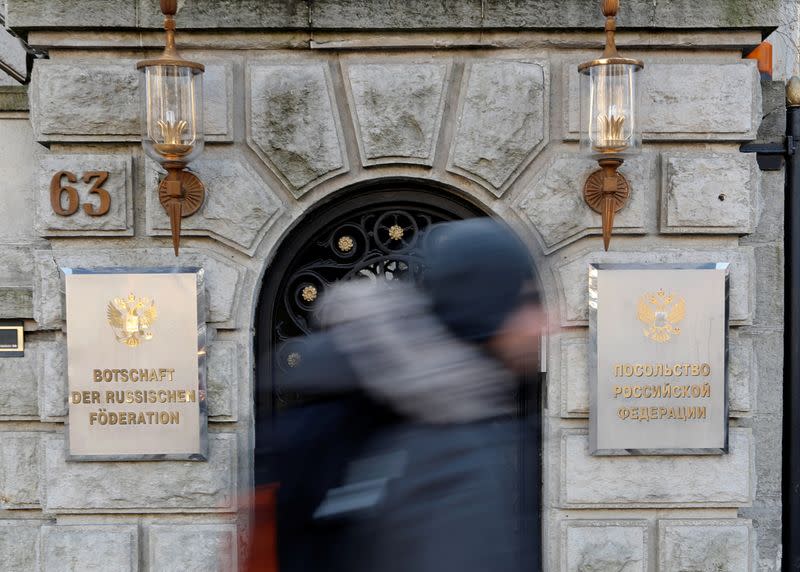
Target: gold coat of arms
(131,319)
(661,314)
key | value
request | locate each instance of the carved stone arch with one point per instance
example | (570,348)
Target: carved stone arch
(367,229)
(315,253)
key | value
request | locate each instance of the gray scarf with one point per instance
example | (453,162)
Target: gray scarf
(405,357)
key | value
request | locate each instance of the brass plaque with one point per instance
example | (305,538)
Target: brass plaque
(658,359)
(136,364)
(12,338)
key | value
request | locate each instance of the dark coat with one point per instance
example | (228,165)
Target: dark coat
(456,507)
(437,485)
(306,451)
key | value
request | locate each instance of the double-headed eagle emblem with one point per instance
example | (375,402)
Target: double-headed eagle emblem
(131,319)
(660,315)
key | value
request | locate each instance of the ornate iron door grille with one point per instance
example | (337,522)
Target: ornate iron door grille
(376,236)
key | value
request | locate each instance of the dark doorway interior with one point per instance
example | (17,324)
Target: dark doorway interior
(373,231)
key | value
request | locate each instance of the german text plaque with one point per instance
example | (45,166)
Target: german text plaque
(658,359)
(136,364)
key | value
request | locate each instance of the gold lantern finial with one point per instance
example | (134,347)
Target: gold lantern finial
(172,123)
(610,9)
(610,130)
(793,92)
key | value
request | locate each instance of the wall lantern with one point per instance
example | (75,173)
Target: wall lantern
(171,92)
(610,129)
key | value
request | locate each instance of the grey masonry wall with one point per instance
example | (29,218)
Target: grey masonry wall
(305,99)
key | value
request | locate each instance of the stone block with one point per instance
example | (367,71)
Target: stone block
(705,545)
(218,99)
(768,352)
(16,267)
(48,310)
(770,451)
(770,220)
(534,14)
(575,375)
(203,14)
(13,98)
(19,545)
(197,547)
(157,486)
(80,100)
(51,368)
(293,123)
(90,548)
(19,469)
(572,275)
(501,122)
(85,169)
(13,55)
(773,121)
(387,14)
(709,193)
(686,101)
(769,311)
(224,376)
(222,277)
(18,385)
(239,206)
(715,13)
(98,100)
(767,532)
(7,81)
(554,201)
(27,14)
(604,545)
(657,481)
(16,303)
(18,161)
(397,109)
(741,372)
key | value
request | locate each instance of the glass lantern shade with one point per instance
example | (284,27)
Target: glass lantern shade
(610,126)
(172,112)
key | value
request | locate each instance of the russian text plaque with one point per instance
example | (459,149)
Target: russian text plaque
(658,380)
(136,343)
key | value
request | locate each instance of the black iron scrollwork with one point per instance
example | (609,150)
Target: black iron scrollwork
(375,244)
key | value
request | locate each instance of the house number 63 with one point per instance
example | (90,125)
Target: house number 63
(57,192)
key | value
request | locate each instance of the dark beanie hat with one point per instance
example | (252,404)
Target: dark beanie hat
(475,273)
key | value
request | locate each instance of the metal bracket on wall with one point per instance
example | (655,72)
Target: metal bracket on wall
(771,156)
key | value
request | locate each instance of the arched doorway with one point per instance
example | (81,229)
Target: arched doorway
(375,230)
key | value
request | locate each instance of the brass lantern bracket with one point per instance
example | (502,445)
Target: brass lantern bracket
(181,193)
(606,191)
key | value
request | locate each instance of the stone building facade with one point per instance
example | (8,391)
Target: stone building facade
(305,101)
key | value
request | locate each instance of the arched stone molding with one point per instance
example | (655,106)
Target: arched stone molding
(397,107)
(307,117)
(293,123)
(475,194)
(502,120)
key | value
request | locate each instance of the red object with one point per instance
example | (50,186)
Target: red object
(763,55)
(263,540)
